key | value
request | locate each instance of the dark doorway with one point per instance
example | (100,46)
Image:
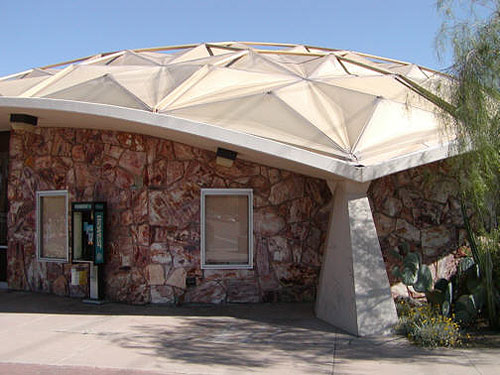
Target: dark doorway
(4,178)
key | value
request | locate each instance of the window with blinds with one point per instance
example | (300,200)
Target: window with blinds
(226,228)
(52,225)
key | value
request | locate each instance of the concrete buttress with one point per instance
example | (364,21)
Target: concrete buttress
(354,292)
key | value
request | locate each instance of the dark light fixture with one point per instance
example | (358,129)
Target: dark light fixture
(22,121)
(225,157)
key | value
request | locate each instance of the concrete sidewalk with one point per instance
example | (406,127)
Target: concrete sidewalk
(43,334)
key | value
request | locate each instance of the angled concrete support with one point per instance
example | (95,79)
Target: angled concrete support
(354,292)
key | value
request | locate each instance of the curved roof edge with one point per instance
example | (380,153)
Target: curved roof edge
(84,115)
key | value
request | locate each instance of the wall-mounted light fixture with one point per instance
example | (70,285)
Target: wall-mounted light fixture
(22,121)
(225,157)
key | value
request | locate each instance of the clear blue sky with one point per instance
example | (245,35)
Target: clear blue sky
(41,32)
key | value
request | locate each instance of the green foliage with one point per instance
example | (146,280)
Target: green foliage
(441,296)
(475,42)
(479,276)
(466,309)
(495,256)
(418,275)
(424,279)
(472,30)
(425,326)
(413,272)
(409,270)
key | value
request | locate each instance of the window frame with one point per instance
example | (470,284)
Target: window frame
(39,250)
(245,192)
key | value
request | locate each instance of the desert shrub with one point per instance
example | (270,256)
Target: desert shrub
(495,256)
(425,326)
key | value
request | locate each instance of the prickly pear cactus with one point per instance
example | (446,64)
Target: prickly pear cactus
(414,273)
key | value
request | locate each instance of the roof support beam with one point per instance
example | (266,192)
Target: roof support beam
(354,292)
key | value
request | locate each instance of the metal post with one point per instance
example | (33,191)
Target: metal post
(94,285)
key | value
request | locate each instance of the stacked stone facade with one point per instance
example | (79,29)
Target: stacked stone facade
(419,207)
(152,188)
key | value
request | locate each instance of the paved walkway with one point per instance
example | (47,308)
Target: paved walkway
(42,334)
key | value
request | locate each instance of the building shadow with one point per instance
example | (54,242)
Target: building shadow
(239,336)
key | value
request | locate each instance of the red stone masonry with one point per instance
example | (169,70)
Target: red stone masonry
(419,206)
(152,187)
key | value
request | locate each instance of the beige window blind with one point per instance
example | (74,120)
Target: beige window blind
(227,229)
(52,226)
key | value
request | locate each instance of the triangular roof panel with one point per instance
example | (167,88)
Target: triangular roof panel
(348,106)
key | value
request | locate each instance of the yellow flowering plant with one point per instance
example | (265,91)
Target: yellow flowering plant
(425,326)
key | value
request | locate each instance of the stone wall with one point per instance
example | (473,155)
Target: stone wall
(420,207)
(152,188)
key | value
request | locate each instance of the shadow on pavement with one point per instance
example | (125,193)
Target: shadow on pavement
(288,314)
(249,336)
(235,342)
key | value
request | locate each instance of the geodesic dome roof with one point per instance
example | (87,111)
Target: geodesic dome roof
(351,107)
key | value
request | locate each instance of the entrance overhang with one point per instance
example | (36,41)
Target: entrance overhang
(65,113)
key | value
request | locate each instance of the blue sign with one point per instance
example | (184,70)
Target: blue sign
(99,237)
